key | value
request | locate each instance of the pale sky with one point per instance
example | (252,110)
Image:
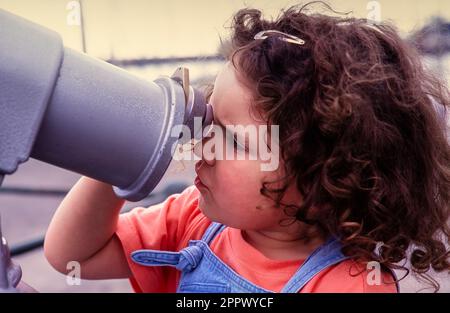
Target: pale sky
(154,28)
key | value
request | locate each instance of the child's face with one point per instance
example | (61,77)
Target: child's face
(232,196)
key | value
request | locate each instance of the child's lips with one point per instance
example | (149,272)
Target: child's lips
(198,183)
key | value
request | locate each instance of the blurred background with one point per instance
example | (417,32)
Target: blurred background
(149,39)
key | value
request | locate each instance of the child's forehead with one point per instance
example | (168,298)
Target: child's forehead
(227,91)
(227,79)
(229,98)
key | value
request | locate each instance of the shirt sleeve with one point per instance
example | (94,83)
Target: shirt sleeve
(162,226)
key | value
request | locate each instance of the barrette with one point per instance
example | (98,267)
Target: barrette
(285,37)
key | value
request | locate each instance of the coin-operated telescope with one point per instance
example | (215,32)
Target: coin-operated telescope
(67,109)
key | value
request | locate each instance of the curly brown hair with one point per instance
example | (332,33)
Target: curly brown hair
(359,132)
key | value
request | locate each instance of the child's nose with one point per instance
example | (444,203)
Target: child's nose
(207,156)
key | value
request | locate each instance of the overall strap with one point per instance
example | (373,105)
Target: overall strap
(323,257)
(185,260)
(213,230)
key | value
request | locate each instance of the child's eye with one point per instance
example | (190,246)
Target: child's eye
(237,145)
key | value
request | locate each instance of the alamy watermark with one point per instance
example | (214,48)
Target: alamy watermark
(374,12)
(374,273)
(74,15)
(231,142)
(373,278)
(73,277)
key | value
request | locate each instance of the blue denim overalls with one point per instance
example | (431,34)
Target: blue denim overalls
(202,271)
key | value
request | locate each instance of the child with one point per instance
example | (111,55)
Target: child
(363,175)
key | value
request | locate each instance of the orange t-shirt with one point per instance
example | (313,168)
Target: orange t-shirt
(170,225)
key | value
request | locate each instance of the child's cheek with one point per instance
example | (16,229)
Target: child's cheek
(246,177)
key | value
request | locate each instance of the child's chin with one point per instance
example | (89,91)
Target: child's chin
(202,205)
(206,210)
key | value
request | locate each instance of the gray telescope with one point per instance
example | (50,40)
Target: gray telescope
(64,108)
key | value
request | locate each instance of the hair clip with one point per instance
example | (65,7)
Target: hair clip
(285,37)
